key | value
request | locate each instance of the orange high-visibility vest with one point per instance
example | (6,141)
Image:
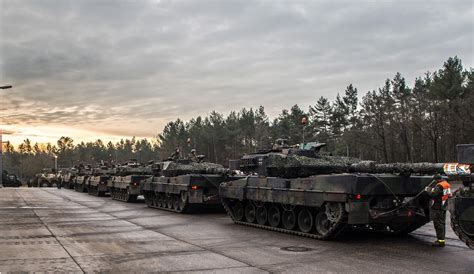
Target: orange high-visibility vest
(446,191)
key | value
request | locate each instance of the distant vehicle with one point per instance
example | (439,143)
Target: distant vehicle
(48,178)
(180,185)
(10,180)
(99,179)
(81,180)
(68,177)
(126,184)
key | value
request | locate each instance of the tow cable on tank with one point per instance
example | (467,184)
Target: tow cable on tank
(375,215)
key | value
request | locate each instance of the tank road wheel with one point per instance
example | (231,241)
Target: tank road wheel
(250,212)
(183,199)
(157,199)
(328,218)
(152,198)
(262,215)
(274,216)
(305,220)
(289,219)
(169,201)
(148,198)
(238,211)
(176,202)
(161,200)
(127,197)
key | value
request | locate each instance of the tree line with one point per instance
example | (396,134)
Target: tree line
(395,123)
(28,159)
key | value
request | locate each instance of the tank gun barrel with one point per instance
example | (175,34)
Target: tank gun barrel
(300,166)
(400,168)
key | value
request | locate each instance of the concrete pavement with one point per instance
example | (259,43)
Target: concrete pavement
(46,229)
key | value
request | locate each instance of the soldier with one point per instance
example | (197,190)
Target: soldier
(193,156)
(439,200)
(176,154)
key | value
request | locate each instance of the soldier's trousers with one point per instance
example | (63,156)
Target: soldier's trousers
(439,220)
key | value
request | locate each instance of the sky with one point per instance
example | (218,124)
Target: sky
(116,69)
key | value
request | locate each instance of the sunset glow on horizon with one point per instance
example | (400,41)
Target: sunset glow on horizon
(49,134)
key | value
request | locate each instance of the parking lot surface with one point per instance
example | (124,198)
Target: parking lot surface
(47,229)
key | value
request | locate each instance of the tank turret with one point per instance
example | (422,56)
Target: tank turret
(104,169)
(133,167)
(307,160)
(183,167)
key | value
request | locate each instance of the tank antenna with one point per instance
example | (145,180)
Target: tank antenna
(304,122)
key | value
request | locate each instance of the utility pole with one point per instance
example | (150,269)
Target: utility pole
(1,146)
(1,159)
(304,122)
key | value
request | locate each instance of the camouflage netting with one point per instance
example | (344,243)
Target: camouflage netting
(140,170)
(293,166)
(171,169)
(409,168)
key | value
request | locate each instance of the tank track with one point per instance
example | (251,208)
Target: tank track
(69,185)
(80,188)
(338,229)
(122,195)
(462,236)
(154,204)
(95,192)
(469,241)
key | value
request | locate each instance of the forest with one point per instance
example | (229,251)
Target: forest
(398,122)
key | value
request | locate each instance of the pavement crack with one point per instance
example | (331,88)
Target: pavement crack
(168,235)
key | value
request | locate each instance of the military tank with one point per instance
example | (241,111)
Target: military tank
(300,190)
(181,185)
(9,180)
(68,177)
(99,179)
(81,181)
(126,184)
(461,204)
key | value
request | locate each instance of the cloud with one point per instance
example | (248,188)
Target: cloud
(128,67)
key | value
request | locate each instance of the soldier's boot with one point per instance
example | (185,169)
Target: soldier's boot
(439,243)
